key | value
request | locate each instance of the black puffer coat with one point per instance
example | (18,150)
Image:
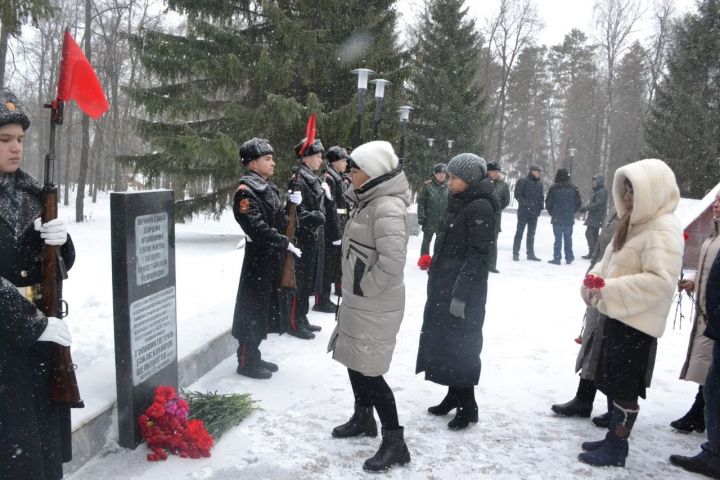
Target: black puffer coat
(449,351)
(563,200)
(261,214)
(597,208)
(34,433)
(529,194)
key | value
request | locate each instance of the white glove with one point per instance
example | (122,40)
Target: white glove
(54,232)
(56,331)
(294,250)
(326,188)
(295,197)
(337,243)
(457,308)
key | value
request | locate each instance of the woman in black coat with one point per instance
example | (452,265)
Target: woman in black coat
(451,336)
(34,432)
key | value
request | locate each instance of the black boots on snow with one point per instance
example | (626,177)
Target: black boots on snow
(361,423)
(443,408)
(702,463)
(694,419)
(613,450)
(581,405)
(462,398)
(256,370)
(603,421)
(393,451)
(463,418)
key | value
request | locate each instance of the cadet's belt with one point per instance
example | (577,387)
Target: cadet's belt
(342,211)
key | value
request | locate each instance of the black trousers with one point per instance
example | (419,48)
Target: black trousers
(375,392)
(248,352)
(531,223)
(591,235)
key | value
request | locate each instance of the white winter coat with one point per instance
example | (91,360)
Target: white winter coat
(373,260)
(641,278)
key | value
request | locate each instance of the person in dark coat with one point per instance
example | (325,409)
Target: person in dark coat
(563,200)
(596,211)
(707,462)
(529,194)
(310,237)
(500,187)
(337,213)
(432,204)
(261,214)
(35,435)
(451,335)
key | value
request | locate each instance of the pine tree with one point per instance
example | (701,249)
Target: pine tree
(444,91)
(684,126)
(244,69)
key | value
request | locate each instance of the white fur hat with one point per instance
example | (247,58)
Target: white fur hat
(375,158)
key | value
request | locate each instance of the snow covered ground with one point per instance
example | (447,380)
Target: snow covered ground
(533,314)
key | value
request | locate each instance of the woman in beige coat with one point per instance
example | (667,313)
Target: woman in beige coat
(374,246)
(640,268)
(699,352)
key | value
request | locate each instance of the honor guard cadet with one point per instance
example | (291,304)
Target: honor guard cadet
(309,236)
(261,214)
(34,430)
(336,158)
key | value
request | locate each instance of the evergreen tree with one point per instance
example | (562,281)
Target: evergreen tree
(244,68)
(13,14)
(444,91)
(684,126)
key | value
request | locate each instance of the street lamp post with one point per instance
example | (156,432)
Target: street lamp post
(449,145)
(363,74)
(379,94)
(429,159)
(571,151)
(404,117)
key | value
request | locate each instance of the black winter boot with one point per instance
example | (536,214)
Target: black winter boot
(393,451)
(361,423)
(467,410)
(309,326)
(702,463)
(603,421)
(694,419)
(443,408)
(582,404)
(612,451)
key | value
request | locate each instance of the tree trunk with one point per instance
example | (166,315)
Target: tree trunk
(4,36)
(85,149)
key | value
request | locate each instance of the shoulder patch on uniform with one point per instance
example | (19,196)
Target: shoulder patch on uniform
(244,205)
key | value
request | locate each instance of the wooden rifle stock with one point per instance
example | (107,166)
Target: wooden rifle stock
(64,387)
(288,273)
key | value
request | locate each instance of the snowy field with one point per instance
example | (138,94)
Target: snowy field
(534,312)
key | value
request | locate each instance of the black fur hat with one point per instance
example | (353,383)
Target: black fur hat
(439,168)
(254,149)
(316,147)
(336,153)
(11,111)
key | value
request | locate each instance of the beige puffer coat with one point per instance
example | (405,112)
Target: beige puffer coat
(699,352)
(373,260)
(641,278)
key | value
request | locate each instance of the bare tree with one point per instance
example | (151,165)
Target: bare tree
(614,21)
(508,33)
(657,51)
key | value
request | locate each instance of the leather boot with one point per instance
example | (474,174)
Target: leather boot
(362,422)
(612,451)
(694,419)
(273,367)
(603,421)
(302,333)
(531,256)
(702,463)
(393,451)
(582,404)
(443,408)
(467,410)
(309,326)
(254,371)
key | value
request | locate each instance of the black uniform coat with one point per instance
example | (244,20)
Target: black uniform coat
(336,213)
(449,351)
(310,238)
(529,194)
(34,433)
(261,214)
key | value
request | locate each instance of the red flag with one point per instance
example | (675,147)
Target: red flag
(78,80)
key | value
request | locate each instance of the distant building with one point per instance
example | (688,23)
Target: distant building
(696,220)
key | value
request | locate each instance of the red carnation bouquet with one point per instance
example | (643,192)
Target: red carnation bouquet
(166,428)
(593,281)
(424,262)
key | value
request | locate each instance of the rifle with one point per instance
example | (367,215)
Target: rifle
(64,383)
(288,272)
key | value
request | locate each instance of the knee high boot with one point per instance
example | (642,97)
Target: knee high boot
(614,449)
(581,405)
(694,419)
(362,422)
(393,451)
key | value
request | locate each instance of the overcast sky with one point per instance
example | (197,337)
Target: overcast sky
(558,16)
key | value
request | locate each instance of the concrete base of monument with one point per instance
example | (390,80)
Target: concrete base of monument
(100,432)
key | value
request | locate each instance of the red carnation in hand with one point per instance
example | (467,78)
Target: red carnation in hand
(593,281)
(424,262)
